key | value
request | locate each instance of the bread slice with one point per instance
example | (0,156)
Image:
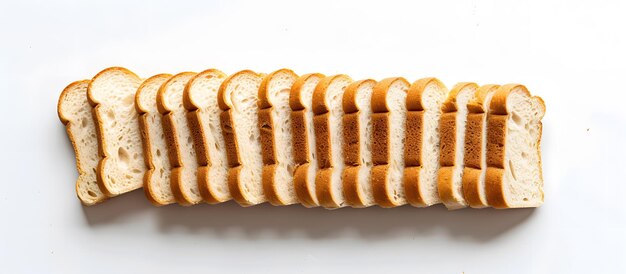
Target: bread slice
(388,140)
(238,97)
(421,154)
(357,148)
(181,148)
(76,114)
(475,159)
(276,137)
(112,95)
(200,100)
(157,178)
(514,175)
(302,128)
(452,131)
(328,124)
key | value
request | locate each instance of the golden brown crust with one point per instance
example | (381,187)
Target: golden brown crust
(494,187)
(322,140)
(414,94)
(295,102)
(471,188)
(351,193)
(203,186)
(413,141)
(188,101)
(445,186)
(303,192)
(269,188)
(323,188)
(300,142)
(411,186)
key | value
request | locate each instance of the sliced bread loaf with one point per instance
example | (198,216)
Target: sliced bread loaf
(388,139)
(452,132)
(475,159)
(76,114)
(181,148)
(357,148)
(276,137)
(327,120)
(421,154)
(302,128)
(157,178)
(514,175)
(238,98)
(112,95)
(200,100)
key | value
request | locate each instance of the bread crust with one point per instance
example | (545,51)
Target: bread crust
(299,129)
(200,137)
(90,200)
(496,144)
(414,137)
(144,127)
(383,193)
(351,147)
(102,143)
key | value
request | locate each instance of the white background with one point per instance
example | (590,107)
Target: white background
(569,52)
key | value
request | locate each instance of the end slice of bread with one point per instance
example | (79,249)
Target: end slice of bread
(238,98)
(302,127)
(357,148)
(157,178)
(112,95)
(276,137)
(328,123)
(200,100)
(181,148)
(422,151)
(514,175)
(388,140)
(76,114)
(475,159)
(452,132)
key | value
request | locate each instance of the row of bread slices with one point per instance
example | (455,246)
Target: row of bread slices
(315,140)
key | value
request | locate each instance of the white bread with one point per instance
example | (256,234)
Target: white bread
(475,159)
(301,101)
(357,148)
(276,137)
(238,98)
(76,114)
(422,150)
(388,140)
(452,132)
(181,148)
(200,100)
(156,183)
(514,175)
(328,124)
(112,95)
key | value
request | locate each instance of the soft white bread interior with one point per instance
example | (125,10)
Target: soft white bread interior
(200,100)
(514,175)
(389,123)
(475,159)
(112,95)
(157,177)
(181,148)
(357,148)
(328,124)
(276,137)
(422,150)
(76,114)
(238,98)
(304,152)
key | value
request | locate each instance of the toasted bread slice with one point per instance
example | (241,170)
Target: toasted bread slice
(111,93)
(276,137)
(357,147)
(327,120)
(157,178)
(76,114)
(238,98)
(300,101)
(452,132)
(514,175)
(181,148)
(388,140)
(476,147)
(200,100)
(421,154)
